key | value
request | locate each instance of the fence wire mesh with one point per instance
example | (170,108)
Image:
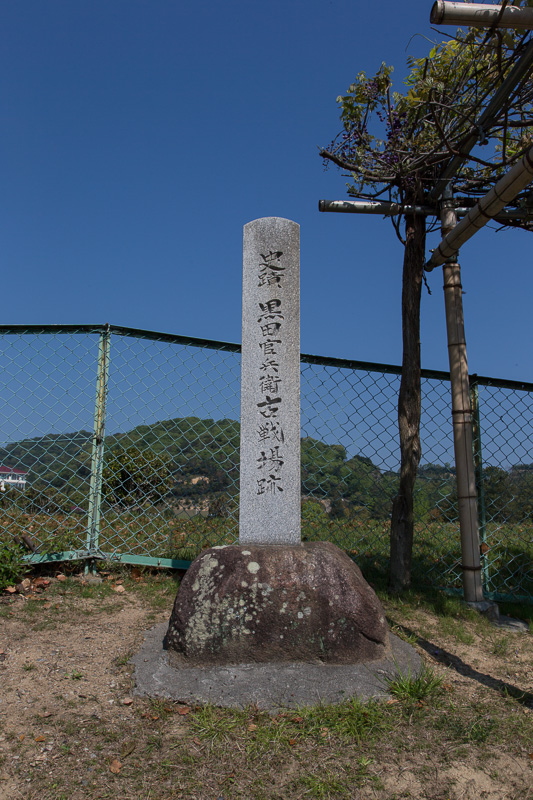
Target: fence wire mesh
(124,445)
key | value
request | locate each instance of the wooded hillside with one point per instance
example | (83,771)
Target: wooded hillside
(201,461)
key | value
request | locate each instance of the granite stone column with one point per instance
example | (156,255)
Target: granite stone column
(270,384)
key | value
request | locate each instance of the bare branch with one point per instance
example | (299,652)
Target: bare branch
(517,124)
(340,162)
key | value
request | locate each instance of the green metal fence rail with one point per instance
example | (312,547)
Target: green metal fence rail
(123,444)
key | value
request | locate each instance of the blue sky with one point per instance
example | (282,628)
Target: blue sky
(139,137)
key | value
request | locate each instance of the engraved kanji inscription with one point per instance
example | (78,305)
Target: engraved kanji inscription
(269,407)
(269,347)
(271,310)
(270,270)
(270,430)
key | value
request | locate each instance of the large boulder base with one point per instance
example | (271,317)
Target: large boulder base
(265,603)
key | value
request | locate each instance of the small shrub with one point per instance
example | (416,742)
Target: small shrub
(500,647)
(132,477)
(12,564)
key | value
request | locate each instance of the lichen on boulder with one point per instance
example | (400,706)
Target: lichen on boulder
(266,603)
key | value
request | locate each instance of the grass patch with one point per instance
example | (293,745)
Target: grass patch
(472,726)
(456,629)
(163,533)
(158,590)
(326,784)
(425,685)
(501,646)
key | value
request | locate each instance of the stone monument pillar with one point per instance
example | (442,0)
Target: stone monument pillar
(271,598)
(269,506)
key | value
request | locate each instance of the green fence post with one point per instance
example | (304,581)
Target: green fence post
(478,464)
(97,455)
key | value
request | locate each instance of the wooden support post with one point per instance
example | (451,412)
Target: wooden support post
(462,434)
(462,416)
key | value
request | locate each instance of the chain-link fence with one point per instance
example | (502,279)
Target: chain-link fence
(124,445)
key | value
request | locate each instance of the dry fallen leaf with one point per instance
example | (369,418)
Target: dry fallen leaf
(183,710)
(11,589)
(119,589)
(127,701)
(292,742)
(127,749)
(61,577)
(252,727)
(297,719)
(40,739)
(115,766)
(147,715)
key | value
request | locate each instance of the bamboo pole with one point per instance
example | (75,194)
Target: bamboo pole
(462,420)
(385,208)
(478,15)
(507,188)
(480,488)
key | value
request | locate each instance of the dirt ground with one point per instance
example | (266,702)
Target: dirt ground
(71,726)
(63,659)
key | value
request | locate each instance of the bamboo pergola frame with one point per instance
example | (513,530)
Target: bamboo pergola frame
(489,207)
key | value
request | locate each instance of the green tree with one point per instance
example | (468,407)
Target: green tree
(362,481)
(521,484)
(396,146)
(322,466)
(46,501)
(498,494)
(132,476)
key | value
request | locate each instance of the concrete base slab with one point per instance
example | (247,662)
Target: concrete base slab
(491,610)
(510,624)
(269,686)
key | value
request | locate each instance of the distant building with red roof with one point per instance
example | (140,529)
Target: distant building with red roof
(11,476)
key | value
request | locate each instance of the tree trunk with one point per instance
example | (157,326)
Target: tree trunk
(409,406)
